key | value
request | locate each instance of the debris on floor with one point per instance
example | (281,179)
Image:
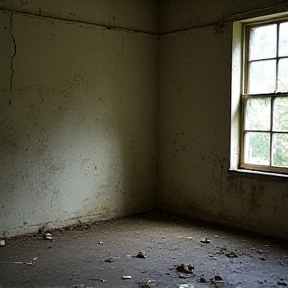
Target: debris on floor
(29,263)
(194,285)
(48,236)
(185,268)
(126,277)
(282,283)
(231,255)
(2,243)
(217,279)
(82,261)
(78,285)
(110,260)
(147,283)
(141,254)
(202,280)
(99,279)
(205,240)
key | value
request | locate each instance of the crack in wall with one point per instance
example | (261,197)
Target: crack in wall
(13,53)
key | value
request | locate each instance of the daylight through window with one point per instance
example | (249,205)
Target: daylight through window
(265,97)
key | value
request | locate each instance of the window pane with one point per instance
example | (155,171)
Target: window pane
(257,148)
(283,75)
(280,114)
(283,39)
(280,150)
(257,116)
(263,41)
(262,77)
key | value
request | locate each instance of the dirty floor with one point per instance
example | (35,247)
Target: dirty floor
(100,254)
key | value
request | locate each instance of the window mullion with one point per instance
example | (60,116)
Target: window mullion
(271,128)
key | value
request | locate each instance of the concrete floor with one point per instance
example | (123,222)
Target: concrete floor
(98,255)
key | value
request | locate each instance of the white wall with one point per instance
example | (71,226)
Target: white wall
(80,122)
(194,121)
(77,114)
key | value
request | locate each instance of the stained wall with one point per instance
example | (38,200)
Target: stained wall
(78,95)
(195,117)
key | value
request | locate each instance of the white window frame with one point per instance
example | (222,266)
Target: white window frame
(238,89)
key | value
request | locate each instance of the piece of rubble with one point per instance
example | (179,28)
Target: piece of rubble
(110,260)
(78,285)
(147,283)
(282,283)
(126,277)
(29,263)
(202,280)
(99,279)
(185,268)
(218,278)
(141,254)
(48,236)
(205,240)
(2,243)
(231,255)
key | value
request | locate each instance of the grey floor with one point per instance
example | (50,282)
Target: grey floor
(100,254)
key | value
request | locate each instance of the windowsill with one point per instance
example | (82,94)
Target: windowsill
(258,174)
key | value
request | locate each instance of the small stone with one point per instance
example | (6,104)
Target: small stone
(126,277)
(218,278)
(282,283)
(185,268)
(2,243)
(202,280)
(147,283)
(141,254)
(231,255)
(48,236)
(110,260)
(205,240)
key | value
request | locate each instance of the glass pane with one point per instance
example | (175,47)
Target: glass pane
(262,42)
(283,75)
(280,114)
(257,114)
(262,77)
(283,39)
(280,150)
(257,149)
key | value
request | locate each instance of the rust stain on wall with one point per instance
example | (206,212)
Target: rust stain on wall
(235,186)
(256,194)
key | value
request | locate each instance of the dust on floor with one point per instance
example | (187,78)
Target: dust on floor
(153,250)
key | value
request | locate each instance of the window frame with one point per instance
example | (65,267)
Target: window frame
(240,60)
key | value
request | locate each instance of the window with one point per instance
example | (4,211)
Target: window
(263,102)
